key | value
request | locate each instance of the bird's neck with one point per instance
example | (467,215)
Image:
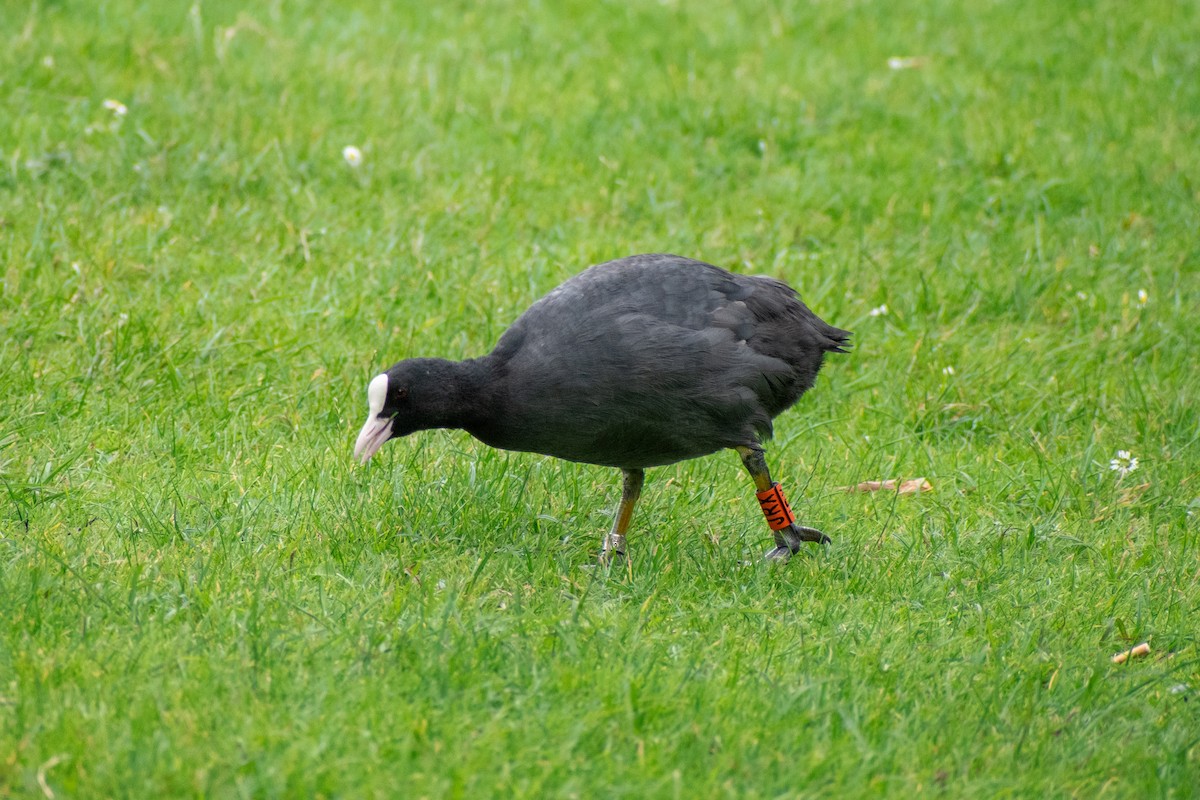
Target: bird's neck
(469,394)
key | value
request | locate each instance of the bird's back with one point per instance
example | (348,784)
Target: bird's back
(652,359)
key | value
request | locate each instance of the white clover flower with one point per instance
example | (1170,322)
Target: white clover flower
(878,312)
(122,320)
(1123,464)
(116,107)
(1081,295)
(1143,297)
(352,155)
(947,370)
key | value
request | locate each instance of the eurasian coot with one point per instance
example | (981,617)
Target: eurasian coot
(635,363)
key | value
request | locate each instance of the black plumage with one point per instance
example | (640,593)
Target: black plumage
(635,363)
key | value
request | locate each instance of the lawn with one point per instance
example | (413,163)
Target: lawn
(202,595)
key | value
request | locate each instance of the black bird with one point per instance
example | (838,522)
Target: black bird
(635,363)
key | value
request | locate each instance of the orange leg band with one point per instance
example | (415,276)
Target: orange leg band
(775,507)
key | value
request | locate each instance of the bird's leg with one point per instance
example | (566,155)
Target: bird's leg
(614,540)
(788,535)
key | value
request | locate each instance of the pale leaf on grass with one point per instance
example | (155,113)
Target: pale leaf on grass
(1142,649)
(909,486)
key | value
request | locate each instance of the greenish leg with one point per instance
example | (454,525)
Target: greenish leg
(787,540)
(614,540)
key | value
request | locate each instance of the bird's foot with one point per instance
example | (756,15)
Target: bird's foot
(614,548)
(780,554)
(799,533)
(788,541)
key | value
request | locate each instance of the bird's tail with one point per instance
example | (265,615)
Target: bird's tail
(834,340)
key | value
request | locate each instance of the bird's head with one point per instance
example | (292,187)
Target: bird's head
(383,401)
(413,395)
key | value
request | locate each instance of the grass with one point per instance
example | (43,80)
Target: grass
(202,596)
